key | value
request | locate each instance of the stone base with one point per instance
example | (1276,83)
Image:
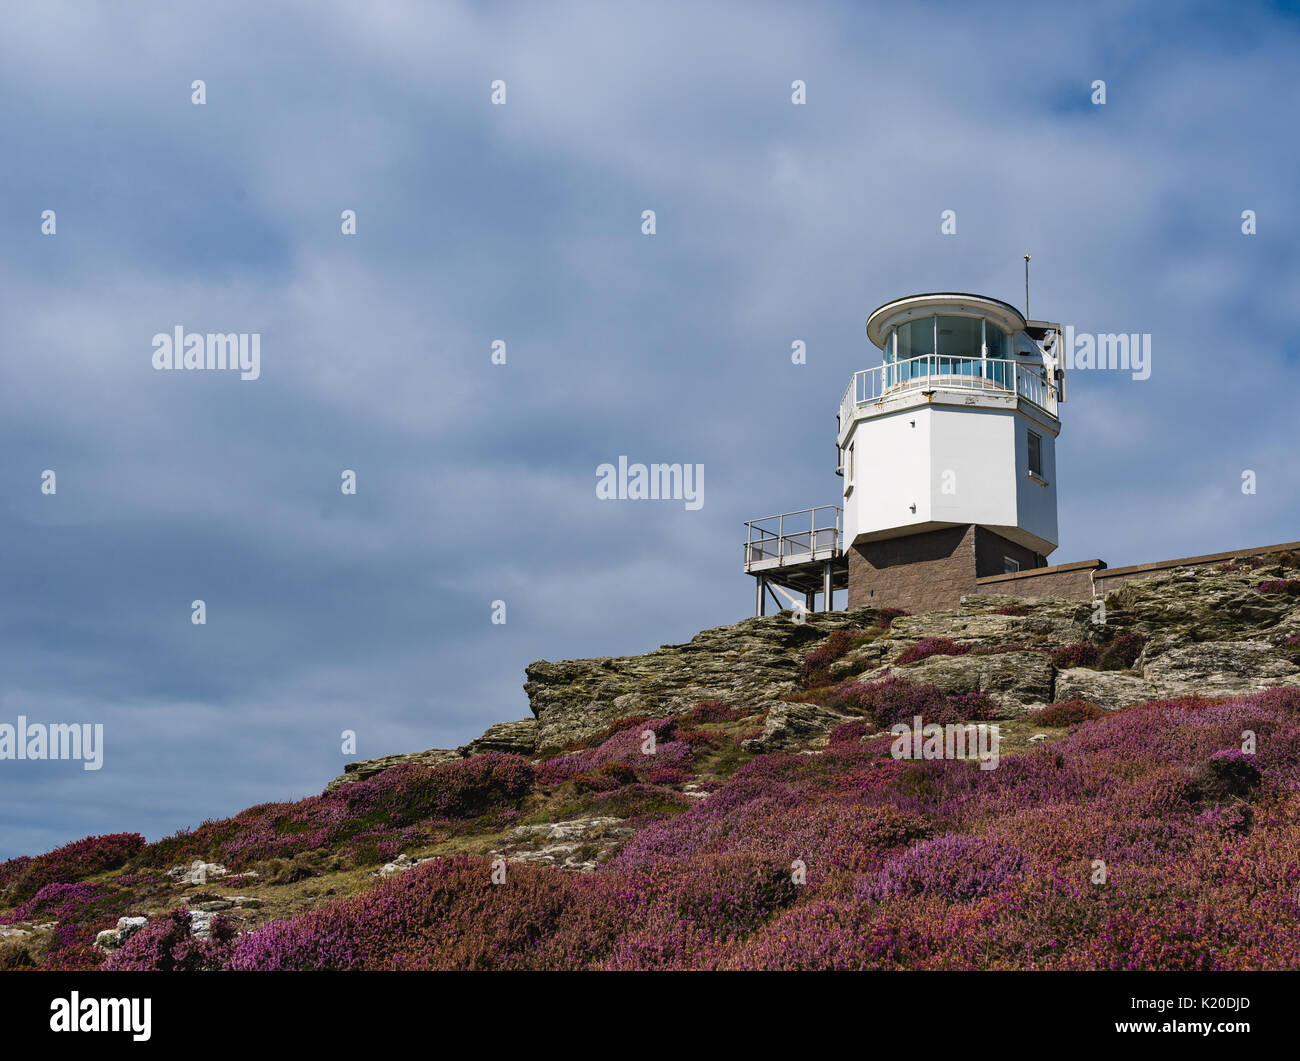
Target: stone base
(932,570)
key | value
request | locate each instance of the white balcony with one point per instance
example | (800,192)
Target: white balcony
(934,372)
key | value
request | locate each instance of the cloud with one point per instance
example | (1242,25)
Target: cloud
(522,223)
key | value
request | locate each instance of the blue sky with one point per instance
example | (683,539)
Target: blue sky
(521,222)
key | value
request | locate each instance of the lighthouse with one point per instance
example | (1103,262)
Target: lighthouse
(948,449)
(947,452)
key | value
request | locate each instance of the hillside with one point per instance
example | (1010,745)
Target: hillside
(734,802)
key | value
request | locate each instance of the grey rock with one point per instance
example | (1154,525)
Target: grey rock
(791,725)
(197,872)
(579,844)
(515,738)
(1107,689)
(112,938)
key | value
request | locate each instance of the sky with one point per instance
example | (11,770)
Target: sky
(521,221)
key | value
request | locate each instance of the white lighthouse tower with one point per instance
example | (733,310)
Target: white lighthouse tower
(948,449)
(948,455)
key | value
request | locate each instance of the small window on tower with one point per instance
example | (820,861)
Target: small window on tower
(1035,455)
(849,469)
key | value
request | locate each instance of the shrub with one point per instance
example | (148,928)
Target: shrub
(625,748)
(848,732)
(1288,586)
(932,646)
(895,700)
(1292,643)
(1122,653)
(813,671)
(952,867)
(166,945)
(1226,774)
(1078,654)
(1012,609)
(711,711)
(1068,713)
(22,878)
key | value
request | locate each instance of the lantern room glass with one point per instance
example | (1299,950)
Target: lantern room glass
(946,346)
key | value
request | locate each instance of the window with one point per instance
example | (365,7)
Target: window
(1035,455)
(960,339)
(849,477)
(1009,566)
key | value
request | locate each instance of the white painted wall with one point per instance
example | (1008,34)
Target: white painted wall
(901,458)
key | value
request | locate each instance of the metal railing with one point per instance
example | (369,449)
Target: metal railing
(806,534)
(931,371)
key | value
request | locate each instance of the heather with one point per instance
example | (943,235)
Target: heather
(896,700)
(734,802)
(21,878)
(1068,713)
(1120,654)
(363,822)
(1289,586)
(167,945)
(905,865)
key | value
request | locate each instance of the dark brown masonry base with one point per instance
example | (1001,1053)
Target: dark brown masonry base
(931,571)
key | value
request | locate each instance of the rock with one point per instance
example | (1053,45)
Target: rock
(791,724)
(1037,737)
(213,906)
(112,938)
(197,872)
(1219,668)
(1108,689)
(1018,681)
(579,844)
(751,663)
(515,738)
(400,864)
(201,923)
(366,768)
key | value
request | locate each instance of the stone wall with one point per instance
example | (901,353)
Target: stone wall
(933,570)
(918,572)
(1069,581)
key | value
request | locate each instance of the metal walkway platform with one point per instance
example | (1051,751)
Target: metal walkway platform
(798,551)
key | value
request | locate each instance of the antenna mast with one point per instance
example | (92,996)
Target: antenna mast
(1026,287)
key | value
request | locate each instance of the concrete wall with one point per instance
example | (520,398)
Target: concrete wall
(925,465)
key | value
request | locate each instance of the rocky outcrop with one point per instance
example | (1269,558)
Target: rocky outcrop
(517,738)
(1206,631)
(1018,681)
(750,664)
(1109,689)
(364,768)
(580,844)
(790,725)
(1219,668)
